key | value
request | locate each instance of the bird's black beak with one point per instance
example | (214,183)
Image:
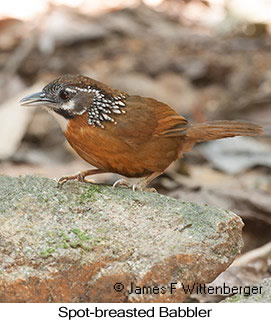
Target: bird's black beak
(38,98)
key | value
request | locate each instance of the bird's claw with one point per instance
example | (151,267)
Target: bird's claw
(80,177)
(121,182)
(139,186)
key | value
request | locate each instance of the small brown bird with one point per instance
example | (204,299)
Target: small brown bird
(126,134)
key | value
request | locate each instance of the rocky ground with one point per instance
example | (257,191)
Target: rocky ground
(263,297)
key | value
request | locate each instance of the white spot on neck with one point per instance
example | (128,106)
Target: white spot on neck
(63,122)
(68,105)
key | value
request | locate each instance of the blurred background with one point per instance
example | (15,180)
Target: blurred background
(207,59)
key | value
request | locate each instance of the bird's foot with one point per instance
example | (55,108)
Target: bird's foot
(139,186)
(80,177)
(122,183)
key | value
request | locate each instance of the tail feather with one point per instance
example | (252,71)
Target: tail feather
(222,129)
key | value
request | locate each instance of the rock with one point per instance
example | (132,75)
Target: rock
(74,244)
(58,31)
(169,88)
(193,68)
(263,297)
(236,155)
(14,121)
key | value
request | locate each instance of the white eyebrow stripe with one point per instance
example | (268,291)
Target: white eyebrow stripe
(70,90)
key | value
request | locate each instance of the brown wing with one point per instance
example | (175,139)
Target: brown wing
(151,118)
(169,122)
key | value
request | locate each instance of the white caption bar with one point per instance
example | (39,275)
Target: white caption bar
(194,312)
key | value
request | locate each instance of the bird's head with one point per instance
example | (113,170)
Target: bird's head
(73,95)
(67,96)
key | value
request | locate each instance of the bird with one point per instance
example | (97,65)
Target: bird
(134,136)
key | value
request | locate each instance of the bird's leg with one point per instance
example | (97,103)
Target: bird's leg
(80,176)
(141,185)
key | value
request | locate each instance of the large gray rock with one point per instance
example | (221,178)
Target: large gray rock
(74,244)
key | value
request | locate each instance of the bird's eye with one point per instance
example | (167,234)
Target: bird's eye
(64,95)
